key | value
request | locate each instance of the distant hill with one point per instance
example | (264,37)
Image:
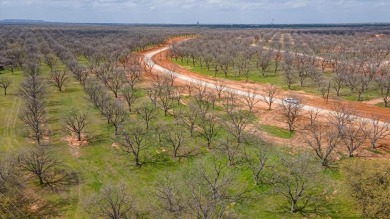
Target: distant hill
(21,21)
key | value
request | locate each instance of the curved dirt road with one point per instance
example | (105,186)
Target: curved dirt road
(148,59)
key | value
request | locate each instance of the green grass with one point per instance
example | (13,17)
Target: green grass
(375,151)
(277,132)
(382,105)
(10,105)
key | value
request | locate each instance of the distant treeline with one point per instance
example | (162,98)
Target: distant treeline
(345,26)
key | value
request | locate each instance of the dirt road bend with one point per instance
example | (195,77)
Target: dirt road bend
(148,58)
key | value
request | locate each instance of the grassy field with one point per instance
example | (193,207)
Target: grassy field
(11,136)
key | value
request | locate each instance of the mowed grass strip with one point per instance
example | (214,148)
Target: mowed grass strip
(10,106)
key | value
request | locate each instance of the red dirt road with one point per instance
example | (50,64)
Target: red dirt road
(360,109)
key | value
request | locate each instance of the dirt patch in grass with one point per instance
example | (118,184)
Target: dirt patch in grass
(75,144)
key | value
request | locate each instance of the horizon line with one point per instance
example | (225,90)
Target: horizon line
(17,20)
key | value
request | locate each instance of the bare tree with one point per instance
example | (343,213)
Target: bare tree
(220,87)
(377,131)
(58,78)
(33,115)
(245,70)
(230,102)
(363,82)
(288,69)
(208,129)
(291,111)
(324,88)
(106,105)
(338,82)
(130,96)
(170,199)
(118,116)
(31,68)
(200,192)
(265,61)
(164,91)
(177,141)
(147,112)
(51,61)
(5,83)
(165,97)
(277,59)
(94,90)
(208,189)
(321,138)
(201,89)
(133,141)
(257,162)
(79,72)
(47,170)
(302,64)
(352,130)
(271,91)
(211,98)
(134,72)
(251,99)
(236,123)
(190,87)
(354,134)
(231,149)
(296,181)
(14,202)
(190,117)
(153,95)
(16,192)
(202,101)
(32,87)
(383,83)
(75,122)
(115,81)
(113,202)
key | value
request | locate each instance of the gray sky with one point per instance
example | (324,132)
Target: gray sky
(204,11)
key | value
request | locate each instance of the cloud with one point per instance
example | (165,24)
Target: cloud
(216,4)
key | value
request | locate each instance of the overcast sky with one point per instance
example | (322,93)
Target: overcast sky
(204,11)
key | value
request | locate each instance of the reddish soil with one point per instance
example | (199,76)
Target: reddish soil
(74,144)
(274,117)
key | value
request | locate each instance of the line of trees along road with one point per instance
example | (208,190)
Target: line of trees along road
(352,63)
